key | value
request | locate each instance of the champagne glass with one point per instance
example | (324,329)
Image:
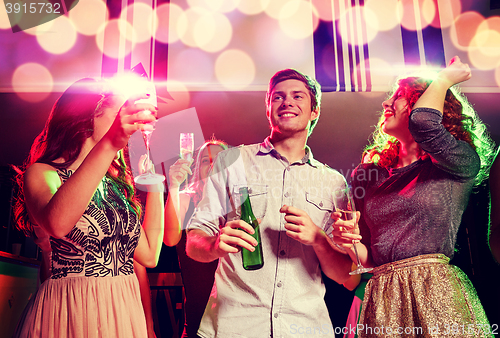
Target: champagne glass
(186,146)
(149,177)
(344,203)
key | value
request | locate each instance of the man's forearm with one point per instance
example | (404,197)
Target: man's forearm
(200,246)
(334,264)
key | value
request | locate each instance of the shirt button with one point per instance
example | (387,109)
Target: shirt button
(275,315)
(282,252)
(288,168)
(279,284)
(287,194)
(320,204)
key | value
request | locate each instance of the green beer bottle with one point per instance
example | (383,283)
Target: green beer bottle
(251,260)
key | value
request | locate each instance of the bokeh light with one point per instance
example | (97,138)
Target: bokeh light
(275,7)
(187,23)
(277,49)
(252,7)
(88,16)
(212,32)
(4,18)
(464,29)
(414,17)
(360,16)
(169,23)
(385,12)
(110,36)
(32,82)
(323,9)
(497,76)
(428,12)
(296,19)
(488,37)
(139,16)
(484,51)
(382,73)
(235,69)
(221,6)
(60,38)
(448,11)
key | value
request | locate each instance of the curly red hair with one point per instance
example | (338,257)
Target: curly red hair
(459,119)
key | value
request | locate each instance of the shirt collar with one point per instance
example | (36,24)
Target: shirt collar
(267,147)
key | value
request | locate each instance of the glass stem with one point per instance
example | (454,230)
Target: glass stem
(356,252)
(146,137)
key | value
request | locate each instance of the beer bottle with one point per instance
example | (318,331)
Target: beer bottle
(251,260)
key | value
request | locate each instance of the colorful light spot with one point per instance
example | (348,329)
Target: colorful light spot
(139,16)
(89,16)
(169,23)
(32,82)
(110,39)
(213,32)
(385,12)
(60,38)
(297,20)
(252,7)
(235,69)
(464,29)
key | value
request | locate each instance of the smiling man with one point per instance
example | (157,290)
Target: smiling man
(291,194)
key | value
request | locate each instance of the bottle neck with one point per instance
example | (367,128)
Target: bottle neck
(246,208)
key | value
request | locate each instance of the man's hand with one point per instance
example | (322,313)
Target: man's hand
(234,236)
(299,225)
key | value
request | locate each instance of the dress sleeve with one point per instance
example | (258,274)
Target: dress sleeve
(449,154)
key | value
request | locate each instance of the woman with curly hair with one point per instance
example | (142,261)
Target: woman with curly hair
(77,200)
(411,190)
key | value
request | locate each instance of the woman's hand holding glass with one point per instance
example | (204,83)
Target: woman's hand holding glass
(178,173)
(130,118)
(345,232)
(346,228)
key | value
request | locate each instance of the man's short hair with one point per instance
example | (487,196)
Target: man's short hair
(311,84)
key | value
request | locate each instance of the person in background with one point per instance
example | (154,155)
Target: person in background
(494,226)
(76,194)
(291,193)
(197,277)
(356,283)
(427,155)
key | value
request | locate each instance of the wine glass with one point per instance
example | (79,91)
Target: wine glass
(344,203)
(149,177)
(186,146)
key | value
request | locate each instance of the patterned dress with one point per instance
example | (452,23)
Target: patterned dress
(92,290)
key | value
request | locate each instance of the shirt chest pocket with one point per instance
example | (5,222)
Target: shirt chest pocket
(319,209)
(258,194)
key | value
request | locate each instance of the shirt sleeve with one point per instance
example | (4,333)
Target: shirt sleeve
(454,156)
(210,214)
